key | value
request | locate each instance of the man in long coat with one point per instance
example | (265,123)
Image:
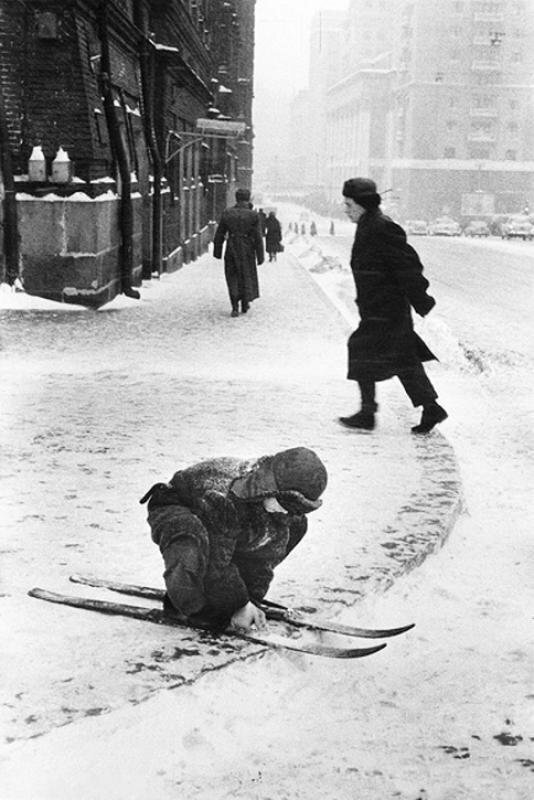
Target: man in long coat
(222,526)
(389,282)
(240,227)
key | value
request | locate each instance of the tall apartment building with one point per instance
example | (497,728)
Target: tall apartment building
(307,135)
(463,96)
(358,104)
(435,101)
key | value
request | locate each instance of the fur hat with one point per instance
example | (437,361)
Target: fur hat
(362,191)
(296,477)
(242,195)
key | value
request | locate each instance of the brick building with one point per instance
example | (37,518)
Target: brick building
(151,100)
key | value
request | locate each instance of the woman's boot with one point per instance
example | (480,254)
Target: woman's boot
(431,416)
(364,419)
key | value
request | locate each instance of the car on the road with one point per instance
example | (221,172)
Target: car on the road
(477,228)
(518,229)
(417,227)
(444,226)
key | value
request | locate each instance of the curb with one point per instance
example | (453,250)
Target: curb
(424,523)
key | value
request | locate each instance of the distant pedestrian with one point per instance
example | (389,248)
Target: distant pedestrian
(239,226)
(303,229)
(332,228)
(273,236)
(389,281)
(222,525)
(290,229)
(296,227)
(262,219)
(313,229)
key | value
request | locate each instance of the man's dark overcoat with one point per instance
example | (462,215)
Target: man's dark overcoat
(244,247)
(389,281)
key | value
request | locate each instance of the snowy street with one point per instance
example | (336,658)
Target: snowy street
(99,405)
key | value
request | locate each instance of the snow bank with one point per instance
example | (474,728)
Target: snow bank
(16,299)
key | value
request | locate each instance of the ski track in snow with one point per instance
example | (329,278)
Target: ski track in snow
(444,713)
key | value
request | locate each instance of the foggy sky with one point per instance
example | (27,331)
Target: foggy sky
(282,42)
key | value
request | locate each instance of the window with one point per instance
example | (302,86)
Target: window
(484,100)
(513,127)
(449,152)
(510,155)
(517,57)
(451,124)
(483,79)
(101,131)
(479,153)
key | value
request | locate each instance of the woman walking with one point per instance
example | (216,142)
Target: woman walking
(389,283)
(273,235)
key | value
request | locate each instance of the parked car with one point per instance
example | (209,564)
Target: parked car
(518,229)
(477,227)
(416,227)
(444,226)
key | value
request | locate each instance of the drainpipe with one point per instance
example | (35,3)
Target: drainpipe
(118,148)
(11,237)
(147,85)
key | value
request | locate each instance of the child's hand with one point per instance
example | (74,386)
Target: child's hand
(249,616)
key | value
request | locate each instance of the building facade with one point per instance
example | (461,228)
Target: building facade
(307,135)
(435,101)
(125,128)
(464,108)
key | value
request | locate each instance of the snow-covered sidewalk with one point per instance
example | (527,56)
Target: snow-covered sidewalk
(430,717)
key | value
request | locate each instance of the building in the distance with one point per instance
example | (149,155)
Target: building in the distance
(125,127)
(435,101)
(463,140)
(359,111)
(305,166)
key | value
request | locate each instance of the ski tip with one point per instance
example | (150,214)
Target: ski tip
(41,594)
(376,649)
(77,578)
(397,631)
(364,651)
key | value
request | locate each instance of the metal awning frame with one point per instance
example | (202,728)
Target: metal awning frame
(196,137)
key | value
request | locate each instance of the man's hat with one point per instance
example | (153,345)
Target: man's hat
(296,477)
(362,191)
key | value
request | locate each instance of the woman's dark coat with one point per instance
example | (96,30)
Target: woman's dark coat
(244,246)
(273,234)
(389,281)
